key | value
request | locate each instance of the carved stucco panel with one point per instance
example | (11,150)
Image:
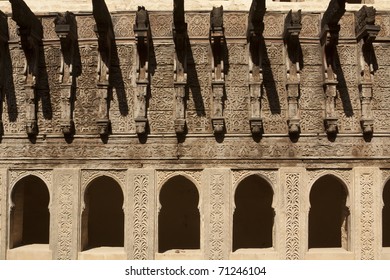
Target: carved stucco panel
(217,201)
(345,175)
(65,217)
(269,175)
(385,176)
(292,198)
(198,24)
(367,221)
(310,25)
(235,24)
(141,217)
(87,176)
(164,175)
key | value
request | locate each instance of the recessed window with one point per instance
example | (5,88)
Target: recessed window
(329,215)
(30,217)
(253,217)
(103,217)
(178,219)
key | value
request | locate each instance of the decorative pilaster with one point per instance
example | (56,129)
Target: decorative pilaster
(293,229)
(329,40)
(66,29)
(217,42)
(4,37)
(368,213)
(180,65)
(256,49)
(366,32)
(292,28)
(218,231)
(141,223)
(31,34)
(66,205)
(105,34)
(142,40)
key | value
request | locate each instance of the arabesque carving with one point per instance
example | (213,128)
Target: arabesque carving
(292,194)
(217,201)
(367,235)
(65,218)
(140,210)
(366,32)
(142,40)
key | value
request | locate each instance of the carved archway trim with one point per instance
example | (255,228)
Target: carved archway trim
(46,175)
(344,176)
(88,176)
(193,176)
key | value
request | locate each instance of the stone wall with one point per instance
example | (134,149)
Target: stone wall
(215,162)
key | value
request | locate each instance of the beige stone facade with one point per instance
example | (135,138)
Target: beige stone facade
(154,134)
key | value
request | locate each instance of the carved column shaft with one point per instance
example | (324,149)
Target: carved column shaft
(4,37)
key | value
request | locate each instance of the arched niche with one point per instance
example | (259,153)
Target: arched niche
(29,216)
(329,214)
(253,218)
(102,222)
(178,218)
(386,215)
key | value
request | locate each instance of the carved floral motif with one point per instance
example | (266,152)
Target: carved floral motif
(216,217)
(292,216)
(140,223)
(65,217)
(367,234)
